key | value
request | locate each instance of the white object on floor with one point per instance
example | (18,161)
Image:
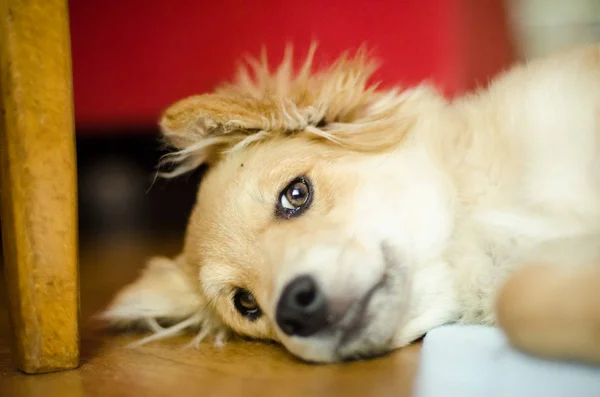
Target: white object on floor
(477,361)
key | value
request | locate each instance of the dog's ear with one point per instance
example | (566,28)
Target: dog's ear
(163,292)
(200,126)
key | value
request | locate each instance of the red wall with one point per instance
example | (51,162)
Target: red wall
(131,58)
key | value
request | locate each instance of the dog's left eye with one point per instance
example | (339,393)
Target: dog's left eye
(246,304)
(294,198)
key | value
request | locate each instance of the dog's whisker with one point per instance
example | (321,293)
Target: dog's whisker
(153,324)
(195,342)
(220,338)
(167,332)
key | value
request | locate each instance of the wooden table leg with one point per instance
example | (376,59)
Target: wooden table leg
(38,184)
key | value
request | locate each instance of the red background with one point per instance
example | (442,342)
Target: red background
(131,58)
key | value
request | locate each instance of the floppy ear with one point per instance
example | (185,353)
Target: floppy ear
(200,127)
(216,115)
(163,292)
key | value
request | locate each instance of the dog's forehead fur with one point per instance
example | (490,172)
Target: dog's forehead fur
(338,105)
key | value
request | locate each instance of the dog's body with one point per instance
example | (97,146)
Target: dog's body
(411,210)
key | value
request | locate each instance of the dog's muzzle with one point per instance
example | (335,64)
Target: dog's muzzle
(304,309)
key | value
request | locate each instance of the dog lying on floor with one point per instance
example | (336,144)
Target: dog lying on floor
(345,221)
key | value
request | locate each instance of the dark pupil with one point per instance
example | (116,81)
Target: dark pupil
(248,301)
(297,194)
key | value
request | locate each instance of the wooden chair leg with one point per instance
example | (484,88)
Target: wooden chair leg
(38,184)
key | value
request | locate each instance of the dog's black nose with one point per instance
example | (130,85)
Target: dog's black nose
(302,308)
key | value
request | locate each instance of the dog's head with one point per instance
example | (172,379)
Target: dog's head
(321,219)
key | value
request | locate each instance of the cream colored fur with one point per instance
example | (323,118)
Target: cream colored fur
(461,193)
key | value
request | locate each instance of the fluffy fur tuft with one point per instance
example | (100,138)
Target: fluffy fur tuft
(337,105)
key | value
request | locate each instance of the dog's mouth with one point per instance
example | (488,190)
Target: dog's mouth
(359,318)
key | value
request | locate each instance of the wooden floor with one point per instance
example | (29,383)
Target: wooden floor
(164,368)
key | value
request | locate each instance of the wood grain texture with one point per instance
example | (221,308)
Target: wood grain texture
(165,368)
(38,180)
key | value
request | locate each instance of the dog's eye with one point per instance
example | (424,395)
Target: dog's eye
(246,304)
(295,198)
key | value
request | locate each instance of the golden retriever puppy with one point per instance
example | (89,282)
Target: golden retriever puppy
(344,221)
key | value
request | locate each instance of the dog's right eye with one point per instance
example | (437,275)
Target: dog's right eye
(295,198)
(246,304)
